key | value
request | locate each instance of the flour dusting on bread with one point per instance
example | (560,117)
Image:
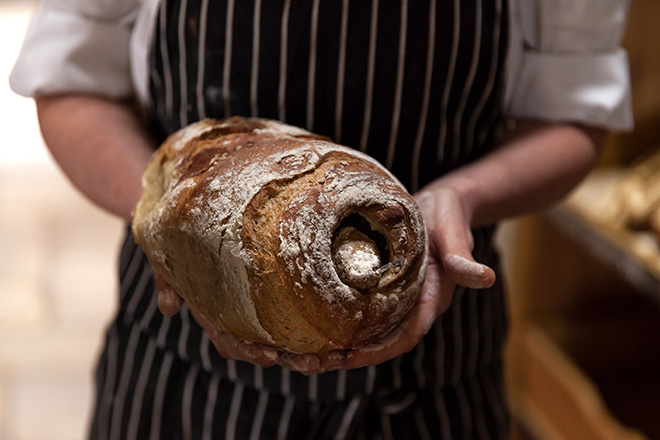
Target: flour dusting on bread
(244,218)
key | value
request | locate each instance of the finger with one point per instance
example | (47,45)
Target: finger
(169,302)
(231,347)
(454,243)
(399,341)
(467,272)
(448,228)
(253,352)
(303,363)
(404,337)
(437,292)
(334,360)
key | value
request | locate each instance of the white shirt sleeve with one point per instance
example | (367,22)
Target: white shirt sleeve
(566,63)
(77,46)
(565,59)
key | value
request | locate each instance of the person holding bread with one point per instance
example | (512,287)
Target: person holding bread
(482,109)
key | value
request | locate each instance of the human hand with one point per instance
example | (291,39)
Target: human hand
(450,263)
(231,347)
(450,239)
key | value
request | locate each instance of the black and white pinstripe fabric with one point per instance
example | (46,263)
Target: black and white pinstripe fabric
(415,84)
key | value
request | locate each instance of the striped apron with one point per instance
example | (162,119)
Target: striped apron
(415,84)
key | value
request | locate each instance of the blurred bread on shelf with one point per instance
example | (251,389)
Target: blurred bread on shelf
(635,201)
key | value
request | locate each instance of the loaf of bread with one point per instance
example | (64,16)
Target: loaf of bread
(281,237)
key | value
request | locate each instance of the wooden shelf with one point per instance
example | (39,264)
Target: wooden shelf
(585,300)
(634,255)
(555,399)
(590,373)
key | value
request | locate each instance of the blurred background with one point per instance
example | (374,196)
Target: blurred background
(57,260)
(583,360)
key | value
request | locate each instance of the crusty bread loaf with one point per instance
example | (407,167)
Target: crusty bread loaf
(281,237)
(635,200)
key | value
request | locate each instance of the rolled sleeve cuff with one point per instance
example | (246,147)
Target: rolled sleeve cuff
(65,51)
(596,90)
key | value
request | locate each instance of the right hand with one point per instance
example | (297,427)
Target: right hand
(450,263)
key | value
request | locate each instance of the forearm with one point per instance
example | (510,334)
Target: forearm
(536,165)
(100,145)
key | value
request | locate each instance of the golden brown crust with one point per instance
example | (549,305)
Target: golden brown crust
(240,217)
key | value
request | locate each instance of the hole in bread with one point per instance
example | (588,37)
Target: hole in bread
(362,224)
(359,250)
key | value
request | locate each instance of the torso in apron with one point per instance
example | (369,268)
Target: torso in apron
(415,84)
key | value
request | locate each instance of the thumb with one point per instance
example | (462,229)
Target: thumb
(169,302)
(453,241)
(456,243)
(467,272)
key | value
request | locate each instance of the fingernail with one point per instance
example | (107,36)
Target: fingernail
(270,353)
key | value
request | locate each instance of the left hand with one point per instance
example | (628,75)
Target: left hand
(450,263)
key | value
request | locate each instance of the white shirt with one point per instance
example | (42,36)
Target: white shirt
(562,65)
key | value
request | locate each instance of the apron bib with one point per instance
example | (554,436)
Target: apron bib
(416,85)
